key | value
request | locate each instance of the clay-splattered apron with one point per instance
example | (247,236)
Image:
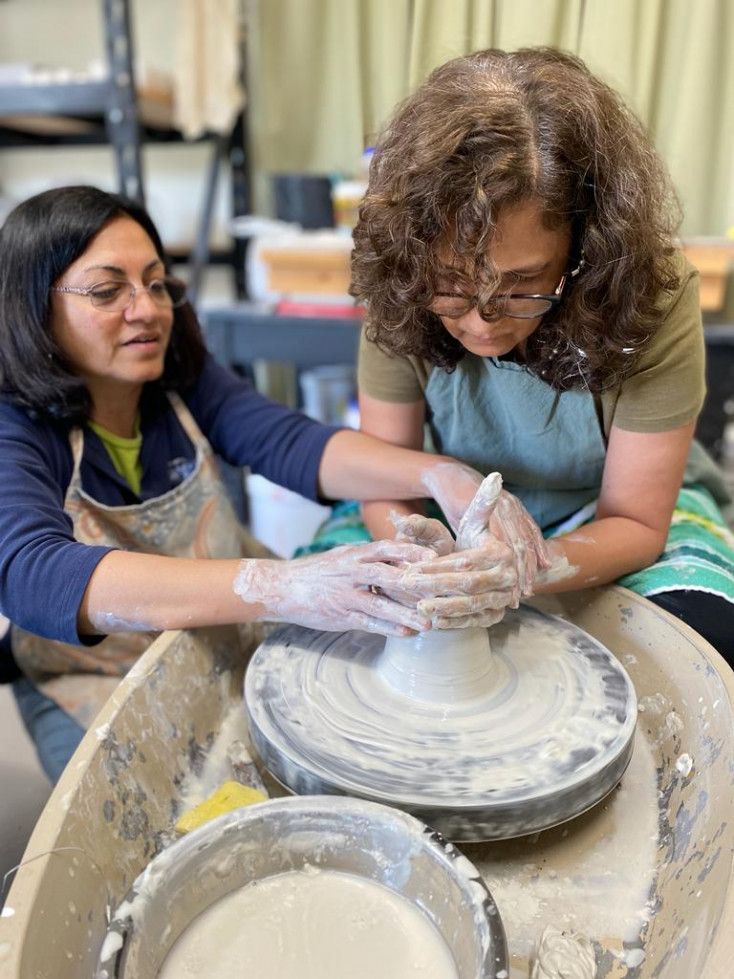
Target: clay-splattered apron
(494,415)
(195,519)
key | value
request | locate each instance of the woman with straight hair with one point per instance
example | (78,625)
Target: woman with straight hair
(114,523)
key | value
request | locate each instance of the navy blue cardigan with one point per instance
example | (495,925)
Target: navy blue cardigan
(43,570)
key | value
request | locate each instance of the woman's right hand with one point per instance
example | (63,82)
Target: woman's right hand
(419,529)
(498,554)
(498,515)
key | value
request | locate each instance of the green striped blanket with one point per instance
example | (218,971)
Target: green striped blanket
(698,555)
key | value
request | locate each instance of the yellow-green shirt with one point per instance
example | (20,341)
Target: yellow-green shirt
(124,452)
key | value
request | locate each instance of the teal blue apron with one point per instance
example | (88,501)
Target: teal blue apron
(550,449)
(495,416)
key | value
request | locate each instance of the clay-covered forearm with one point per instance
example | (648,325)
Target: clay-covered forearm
(344,588)
(140,592)
(599,553)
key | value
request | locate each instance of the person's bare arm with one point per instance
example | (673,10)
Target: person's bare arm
(642,477)
(401,425)
(131,591)
(340,589)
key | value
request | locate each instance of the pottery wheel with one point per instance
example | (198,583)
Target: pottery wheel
(514,741)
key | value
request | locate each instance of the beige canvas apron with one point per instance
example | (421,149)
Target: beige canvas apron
(195,519)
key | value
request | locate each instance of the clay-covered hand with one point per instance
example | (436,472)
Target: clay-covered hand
(426,531)
(473,585)
(453,485)
(339,589)
(498,514)
(474,506)
(470,588)
(494,564)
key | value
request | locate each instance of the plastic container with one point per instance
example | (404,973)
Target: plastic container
(327,392)
(303,198)
(279,518)
(346,196)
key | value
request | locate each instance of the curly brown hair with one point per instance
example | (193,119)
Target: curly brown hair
(491,130)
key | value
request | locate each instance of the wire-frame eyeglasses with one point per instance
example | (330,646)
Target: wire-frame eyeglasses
(115,295)
(518,305)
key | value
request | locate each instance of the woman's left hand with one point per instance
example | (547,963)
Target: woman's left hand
(426,531)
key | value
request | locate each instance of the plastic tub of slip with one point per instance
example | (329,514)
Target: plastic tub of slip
(312,886)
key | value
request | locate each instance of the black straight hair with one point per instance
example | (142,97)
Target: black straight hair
(39,240)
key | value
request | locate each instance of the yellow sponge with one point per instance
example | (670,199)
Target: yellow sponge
(231,795)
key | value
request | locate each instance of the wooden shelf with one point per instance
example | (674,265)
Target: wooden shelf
(714,259)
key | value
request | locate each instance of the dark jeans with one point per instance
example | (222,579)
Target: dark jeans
(54,732)
(8,668)
(709,615)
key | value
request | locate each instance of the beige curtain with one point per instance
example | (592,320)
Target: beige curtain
(440,31)
(325,74)
(674,60)
(208,93)
(322,76)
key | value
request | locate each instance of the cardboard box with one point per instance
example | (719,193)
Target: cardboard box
(714,258)
(308,270)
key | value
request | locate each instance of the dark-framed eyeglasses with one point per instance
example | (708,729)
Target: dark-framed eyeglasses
(115,295)
(518,305)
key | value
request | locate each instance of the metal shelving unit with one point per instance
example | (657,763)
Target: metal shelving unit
(107,112)
(112,100)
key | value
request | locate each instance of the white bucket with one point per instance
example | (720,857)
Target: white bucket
(281,519)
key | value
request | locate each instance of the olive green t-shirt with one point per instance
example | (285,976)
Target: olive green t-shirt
(665,390)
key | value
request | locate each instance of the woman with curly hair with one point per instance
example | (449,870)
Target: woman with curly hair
(516,256)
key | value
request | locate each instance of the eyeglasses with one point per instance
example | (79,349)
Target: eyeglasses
(518,305)
(115,295)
